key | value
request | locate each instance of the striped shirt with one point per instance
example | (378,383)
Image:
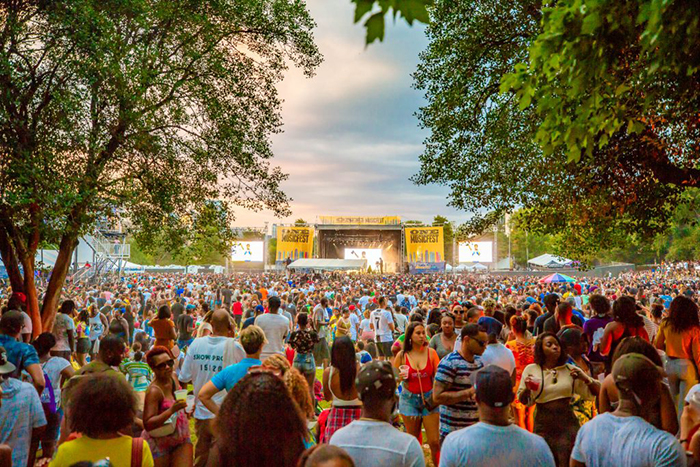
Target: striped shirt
(456,374)
(139,374)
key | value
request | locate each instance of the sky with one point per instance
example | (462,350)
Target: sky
(350,139)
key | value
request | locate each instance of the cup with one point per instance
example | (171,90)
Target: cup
(403,371)
(190,403)
(533,384)
(181,394)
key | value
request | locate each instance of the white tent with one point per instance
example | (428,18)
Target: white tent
(550,261)
(329,264)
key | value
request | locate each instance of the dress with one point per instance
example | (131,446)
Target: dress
(165,445)
(524,354)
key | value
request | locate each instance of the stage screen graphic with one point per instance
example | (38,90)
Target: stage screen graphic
(247,252)
(476,252)
(372,255)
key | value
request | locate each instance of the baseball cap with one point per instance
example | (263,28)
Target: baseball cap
(494,387)
(633,370)
(376,377)
(5,366)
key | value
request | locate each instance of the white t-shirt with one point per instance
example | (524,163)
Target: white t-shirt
(499,355)
(381,319)
(276,327)
(61,326)
(354,323)
(401,322)
(488,445)
(630,441)
(372,443)
(27,326)
(53,368)
(204,359)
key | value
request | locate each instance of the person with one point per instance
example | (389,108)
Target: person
(119,326)
(550,384)
(302,341)
(102,429)
(664,412)
(320,324)
(453,388)
(64,330)
(21,414)
(343,324)
(185,327)
(339,388)
(204,328)
(625,436)
(444,341)
(595,327)
(372,440)
(203,360)
(550,302)
(626,322)
(162,408)
(679,337)
(275,327)
(382,323)
(23,356)
(366,331)
(164,328)
(325,455)
(417,364)
(575,345)
(58,370)
(98,323)
(82,335)
(523,348)
(482,444)
(498,354)
(252,339)
(259,424)
(138,373)
(563,318)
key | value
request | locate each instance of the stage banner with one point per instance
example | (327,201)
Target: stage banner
(294,243)
(425,245)
(355,220)
(426,268)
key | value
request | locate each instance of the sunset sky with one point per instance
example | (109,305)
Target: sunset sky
(350,139)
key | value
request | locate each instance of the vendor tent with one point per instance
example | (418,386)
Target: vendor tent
(550,261)
(329,264)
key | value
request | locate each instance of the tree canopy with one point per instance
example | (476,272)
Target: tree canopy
(156,107)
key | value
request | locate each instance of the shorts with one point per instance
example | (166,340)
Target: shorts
(83,345)
(305,363)
(385,349)
(53,423)
(237,319)
(411,405)
(321,351)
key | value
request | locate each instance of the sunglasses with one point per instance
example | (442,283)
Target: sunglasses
(480,342)
(170,363)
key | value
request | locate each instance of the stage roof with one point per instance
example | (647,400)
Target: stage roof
(329,264)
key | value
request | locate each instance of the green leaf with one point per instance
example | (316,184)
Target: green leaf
(375,28)
(621,89)
(362,7)
(525,101)
(591,22)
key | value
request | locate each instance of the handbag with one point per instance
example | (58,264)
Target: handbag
(428,402)
(168,427)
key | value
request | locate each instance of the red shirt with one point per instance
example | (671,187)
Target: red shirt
(237,308)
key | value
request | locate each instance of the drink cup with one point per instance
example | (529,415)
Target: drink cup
(533,384)
(403,371)
(181,394)
(190,403)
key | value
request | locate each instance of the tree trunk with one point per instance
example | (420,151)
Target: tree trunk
(9,259)
(32,296)
(58,279)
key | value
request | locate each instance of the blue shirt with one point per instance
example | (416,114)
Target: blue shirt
(21,355)
(229,376)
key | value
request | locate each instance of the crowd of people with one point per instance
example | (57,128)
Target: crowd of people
(312,369)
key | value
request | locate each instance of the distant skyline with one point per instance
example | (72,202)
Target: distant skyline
(350,139)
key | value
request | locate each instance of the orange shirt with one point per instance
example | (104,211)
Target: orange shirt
(161,329)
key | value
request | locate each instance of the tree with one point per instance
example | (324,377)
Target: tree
(300,222)
(376,10)
(448,235)
(483,143)
(156,107)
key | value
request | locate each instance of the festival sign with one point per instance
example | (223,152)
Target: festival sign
(358,220)
(294,243)
(425,244)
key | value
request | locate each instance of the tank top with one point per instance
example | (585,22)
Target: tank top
(96,327)
(419,381)
(340,402)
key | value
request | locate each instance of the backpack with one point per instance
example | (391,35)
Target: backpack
(48,398)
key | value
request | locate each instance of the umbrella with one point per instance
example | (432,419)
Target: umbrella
(556,277)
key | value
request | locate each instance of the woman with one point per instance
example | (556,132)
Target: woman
(162,409)
(576,345)
(303,341)
(259,424)
(523,348)
(665,417)
(444,341)
(549,384)
(205,328)
(626,322)
(679,337)
(164,328)
(366,332)
(64,329)
(339,387)
(82,331)
(101,429)
(417,364)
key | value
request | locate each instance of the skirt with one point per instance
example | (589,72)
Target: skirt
(556,422)
(338,418)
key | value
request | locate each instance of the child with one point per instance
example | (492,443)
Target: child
(138,373)
(362,355)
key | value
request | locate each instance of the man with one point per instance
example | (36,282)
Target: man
(550,303)
(22,356)
(595,326)
(226,294)
(319,322)
(563,318)
(276,328)
(21,414)
(18,302)
(499,355)
(382,323)
(98,324)
(203,360)
(185,327)
(453,387)
(483,444)
(372,440)
(177,309)
(354,323)
(401,317)
(625,436)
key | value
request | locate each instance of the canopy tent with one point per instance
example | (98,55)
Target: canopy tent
(556,278)
(550,261)
(329,264)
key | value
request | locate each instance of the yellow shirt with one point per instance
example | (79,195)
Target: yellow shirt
(92,450)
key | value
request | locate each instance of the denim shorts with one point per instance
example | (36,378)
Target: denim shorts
(411,405)
(305,363)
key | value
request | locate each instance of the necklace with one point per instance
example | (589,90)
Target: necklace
(554,375)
